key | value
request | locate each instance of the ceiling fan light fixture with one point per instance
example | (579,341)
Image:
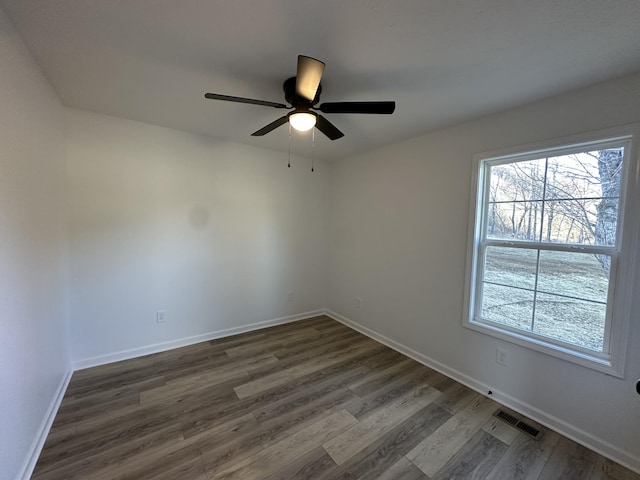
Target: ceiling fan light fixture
(302,93)
(302,121)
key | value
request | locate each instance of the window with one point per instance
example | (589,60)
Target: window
(546,250)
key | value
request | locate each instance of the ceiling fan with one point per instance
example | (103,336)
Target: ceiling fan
(302,92)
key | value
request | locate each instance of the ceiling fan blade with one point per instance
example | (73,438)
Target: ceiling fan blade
(308,77)
(229,98)
(272,126)
(328,128)
(386,108)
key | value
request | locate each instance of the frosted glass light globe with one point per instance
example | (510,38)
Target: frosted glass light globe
(302,121)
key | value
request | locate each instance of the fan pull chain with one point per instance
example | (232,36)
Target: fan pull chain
(313,146)
(289,164)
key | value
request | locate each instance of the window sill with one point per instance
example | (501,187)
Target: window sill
(593,362)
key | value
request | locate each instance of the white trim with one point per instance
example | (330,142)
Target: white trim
(572,141)
(545,345)
(38,442)
(606,449)
(183,342)
(622,279)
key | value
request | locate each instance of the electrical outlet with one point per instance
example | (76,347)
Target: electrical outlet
(161,316)
(358,302)
(501,357)
(290,296)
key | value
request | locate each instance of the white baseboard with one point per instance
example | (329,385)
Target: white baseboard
(182,342)
(606,449)
(43,431)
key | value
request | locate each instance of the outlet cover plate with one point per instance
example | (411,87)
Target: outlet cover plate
(501,357)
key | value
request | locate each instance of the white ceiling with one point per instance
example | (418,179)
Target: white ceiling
(442,61)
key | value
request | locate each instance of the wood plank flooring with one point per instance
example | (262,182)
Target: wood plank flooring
(311,399)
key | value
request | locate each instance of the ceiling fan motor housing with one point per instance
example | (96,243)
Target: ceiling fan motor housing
(289,87)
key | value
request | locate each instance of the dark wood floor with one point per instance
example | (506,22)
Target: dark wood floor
(311,399)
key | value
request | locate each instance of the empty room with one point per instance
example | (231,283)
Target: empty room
(361,239)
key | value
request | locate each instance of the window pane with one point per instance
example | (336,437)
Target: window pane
(584,190)
(506,305)
(576,322)
(515,267)
(514,220)
(573,221)
(517,181)
(573,176)
(580,275)
(515,200)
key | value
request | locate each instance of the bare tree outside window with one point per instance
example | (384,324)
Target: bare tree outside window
(610,170)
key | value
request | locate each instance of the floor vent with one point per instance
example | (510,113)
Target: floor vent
(515,422)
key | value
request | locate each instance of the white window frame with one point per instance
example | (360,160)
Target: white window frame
(624,257)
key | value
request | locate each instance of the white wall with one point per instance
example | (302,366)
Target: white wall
(398,240)
(33,281)
(214,233)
